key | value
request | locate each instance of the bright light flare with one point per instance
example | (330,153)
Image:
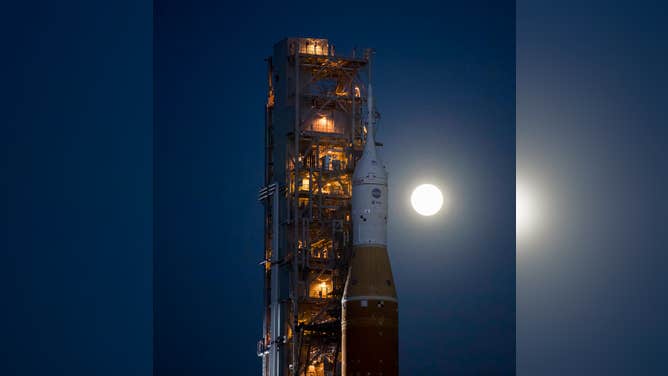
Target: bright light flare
(526,210)
(427,199)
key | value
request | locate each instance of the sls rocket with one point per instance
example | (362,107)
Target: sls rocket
(370,344)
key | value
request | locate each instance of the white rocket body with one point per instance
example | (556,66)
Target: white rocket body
(369,201)
(370,313)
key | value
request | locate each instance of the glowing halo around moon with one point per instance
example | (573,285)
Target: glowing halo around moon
(427,199)
(527,211)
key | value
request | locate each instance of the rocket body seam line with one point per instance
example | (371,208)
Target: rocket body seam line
(369,297)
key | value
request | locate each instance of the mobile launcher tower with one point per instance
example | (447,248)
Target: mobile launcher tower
(315,132)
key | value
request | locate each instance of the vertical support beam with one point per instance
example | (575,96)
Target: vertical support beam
(295,266)
(273,356)
(266,325)
(276,329)
(352,121)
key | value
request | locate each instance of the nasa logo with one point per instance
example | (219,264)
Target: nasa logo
(375,193)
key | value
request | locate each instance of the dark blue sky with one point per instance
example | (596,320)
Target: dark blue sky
(591,133)
(77,294)
(77,271)
(445,83)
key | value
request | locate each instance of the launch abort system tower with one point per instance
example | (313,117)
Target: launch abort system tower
(314,136)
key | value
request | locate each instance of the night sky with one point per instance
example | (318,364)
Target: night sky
(444,79)
(109,166)
(591,138)
(77,281)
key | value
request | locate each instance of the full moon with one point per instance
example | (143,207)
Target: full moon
(427,199)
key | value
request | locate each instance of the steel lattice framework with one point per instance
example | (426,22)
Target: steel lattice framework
(314,132)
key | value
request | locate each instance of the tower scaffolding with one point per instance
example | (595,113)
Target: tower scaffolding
(314,135)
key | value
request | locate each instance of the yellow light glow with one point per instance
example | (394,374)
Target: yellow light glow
(314,46)
(320,289)
(427,199)
(323,124)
